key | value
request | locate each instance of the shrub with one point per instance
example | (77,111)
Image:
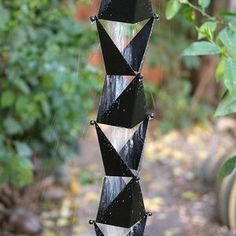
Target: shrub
(46,85)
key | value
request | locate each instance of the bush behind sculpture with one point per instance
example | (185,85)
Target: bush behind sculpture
(46,86)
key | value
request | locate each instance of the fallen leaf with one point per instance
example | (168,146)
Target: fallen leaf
(91,196)
(74,187)
(189,196)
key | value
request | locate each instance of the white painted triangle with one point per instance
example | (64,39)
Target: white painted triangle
(135,172)
(118,136)
(113,185)
(127,179)
(122,33)
(110,230)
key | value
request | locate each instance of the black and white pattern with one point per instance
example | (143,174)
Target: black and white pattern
(121,207)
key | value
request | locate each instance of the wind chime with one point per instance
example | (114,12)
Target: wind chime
(121,203)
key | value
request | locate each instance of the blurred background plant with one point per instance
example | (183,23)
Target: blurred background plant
(46,85)
(171,91)
(216,31)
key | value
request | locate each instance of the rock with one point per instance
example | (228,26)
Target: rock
(22,221)
(63,176)
(54,193)
(226,124)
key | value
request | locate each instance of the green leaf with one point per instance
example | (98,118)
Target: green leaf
(7,98)
(227,168)
(227,106)
(230,75)
(207,30)
(189,15)
(229,16)
(172,8)
(46,108)
(232,26)
(204,3)
(220,69)
(12,126)
(22,85)
(228,38)
(201,48)
(42,99)
(4,17)
(19,171)
(23,149)
(22,103)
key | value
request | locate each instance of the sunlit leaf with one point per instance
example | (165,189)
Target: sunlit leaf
(227,168)
(7,98)
(228,38)
(227,106)
(12,126)
(189,14)
(4,17)
(201,48)
(230,75)
(204,3)
(206,30)
(23,149)
(220,69)
(172,8)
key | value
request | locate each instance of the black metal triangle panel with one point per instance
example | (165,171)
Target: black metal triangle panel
(130,60)
(97,230)
(132,151)
(128,109)
(129,11)
(126,209)
(139,228)
(112,186)
(138,46)
(113,164)
(115,63)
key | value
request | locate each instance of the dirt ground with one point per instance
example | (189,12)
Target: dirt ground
(181,204)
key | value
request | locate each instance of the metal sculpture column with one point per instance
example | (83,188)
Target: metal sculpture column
(121,206)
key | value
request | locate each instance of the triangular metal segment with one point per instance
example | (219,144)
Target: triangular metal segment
(132,151)
(110,230)
(113,164)
(97,230)
(118,136)
(112,186)
(126,179)
(115,63)
(129,108)
(137,47)
(129,11)
(126,209)
(112,88)
(139,228)
(135,172)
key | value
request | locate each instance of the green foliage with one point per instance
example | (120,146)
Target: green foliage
(227,106)
(201,48)
(204,3)
(227,168)
(221,43)
(46,86)
(172,8)
(207,30)
(172,98)
(174,104)
(230,75)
